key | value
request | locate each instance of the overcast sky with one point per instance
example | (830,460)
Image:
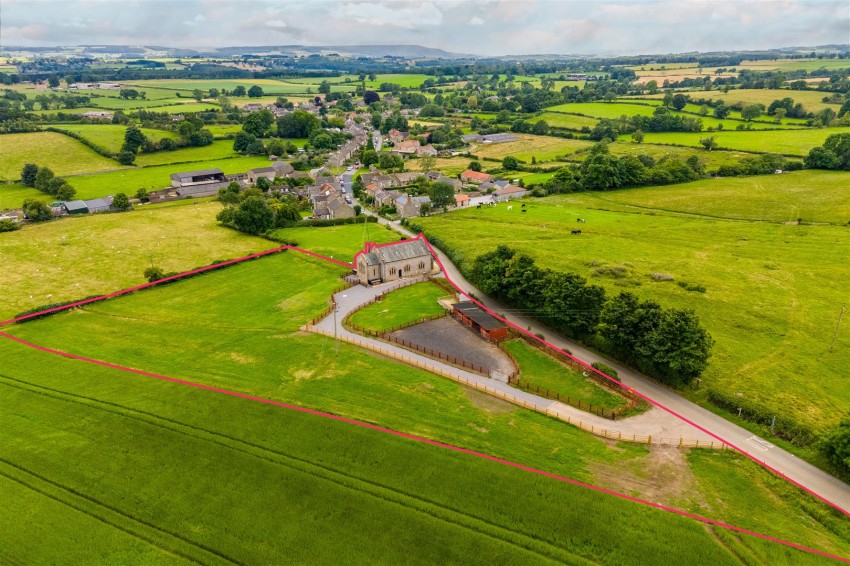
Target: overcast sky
(482,27)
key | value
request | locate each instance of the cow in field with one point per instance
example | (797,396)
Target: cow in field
(575,232)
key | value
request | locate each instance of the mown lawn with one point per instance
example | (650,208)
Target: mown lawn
(773,291)
(237,329)
(94,254)
(787,142)
(540,370)
(338,242)
(62,154)
(401,307)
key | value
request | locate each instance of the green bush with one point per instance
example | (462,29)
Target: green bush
(606,369)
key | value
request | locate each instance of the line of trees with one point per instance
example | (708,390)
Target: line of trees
(43,179)
(666,343)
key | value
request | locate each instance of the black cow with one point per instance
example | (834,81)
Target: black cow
(575,232)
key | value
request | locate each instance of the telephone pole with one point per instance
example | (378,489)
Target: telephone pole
(837,324)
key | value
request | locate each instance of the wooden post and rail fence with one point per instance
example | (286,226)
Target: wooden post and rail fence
(548,410)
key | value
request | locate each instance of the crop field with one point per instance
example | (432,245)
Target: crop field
(95,254)
(815,196)
(358,484)
(338,242)
(543,148)
(614,110)
(537,368)
(773,291)
(64,155)
(402,306)
(795,143)
(111,136)
(155,176)
(245,320)
(221,149)
(710,159)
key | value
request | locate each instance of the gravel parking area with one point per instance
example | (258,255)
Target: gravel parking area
(448,336)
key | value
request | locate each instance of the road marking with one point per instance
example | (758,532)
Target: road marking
(760,442)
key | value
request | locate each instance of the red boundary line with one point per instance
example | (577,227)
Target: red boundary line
(410,436)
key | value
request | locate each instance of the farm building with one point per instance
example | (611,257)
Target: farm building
(92,206)
(268,173)
(409,206)
(499,138)
(205,182)
(461,200)
(388,262)
(477,177)
(76,207)
(509,192)
(488,326)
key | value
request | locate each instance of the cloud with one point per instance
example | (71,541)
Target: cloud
(485,27)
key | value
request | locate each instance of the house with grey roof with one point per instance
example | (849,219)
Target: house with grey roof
(409,206)
(261,172)
(390,262)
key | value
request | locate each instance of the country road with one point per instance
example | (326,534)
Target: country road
(820,483)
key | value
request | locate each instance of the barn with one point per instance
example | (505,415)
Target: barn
(480,321)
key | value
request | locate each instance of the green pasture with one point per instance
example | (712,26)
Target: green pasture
(205,84)
(156,176)
(614,110)
(80,256)
(186,107)
(561,120)
(773,291)
(541,370)
(97,94)
(111,136)
(795,64)
(221,149)
(62,154)
(734,116)
(224,129)
(338,242)
(795,143)
(13,195)
(812,100)
(216,479)
(813,195)
(237,328)
(401,307)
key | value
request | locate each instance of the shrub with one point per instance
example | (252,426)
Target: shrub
(606,369)
(691,287)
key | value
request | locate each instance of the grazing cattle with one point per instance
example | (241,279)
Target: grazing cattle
(523,205)
(523,210)
(575,232)
(510,207)
(479,206)
(580,220)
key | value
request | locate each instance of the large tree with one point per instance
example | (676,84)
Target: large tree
(42,179)
(255,92)
(298,124)
(36,211)
(678,348)
(28,174)
(258,123)
(442,195)
(133,139)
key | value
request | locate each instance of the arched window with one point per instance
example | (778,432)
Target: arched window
(407,268)
(421,265)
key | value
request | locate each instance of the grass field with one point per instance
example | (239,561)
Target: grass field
(614,110)
(773,290)
(155,176)
(245,320)
(401,307)
(710,159)
(76,257)
(338,242)
(796,143)
(543,148)
(13,195)
(224,129)
(221,149)
(111,136)
(812,100)
(186,107)
(62,154)
(814,196)
(561,120)
(539,369)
